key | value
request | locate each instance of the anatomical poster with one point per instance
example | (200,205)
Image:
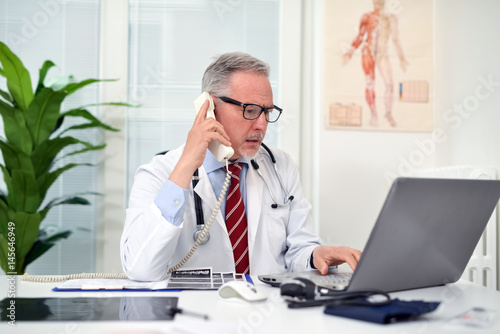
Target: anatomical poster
(378,65)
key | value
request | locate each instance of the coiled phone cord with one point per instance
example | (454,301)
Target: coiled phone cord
(36,278)
(208,224)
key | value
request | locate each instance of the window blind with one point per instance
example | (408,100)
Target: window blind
(171,44)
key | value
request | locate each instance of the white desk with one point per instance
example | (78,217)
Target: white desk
(271,316)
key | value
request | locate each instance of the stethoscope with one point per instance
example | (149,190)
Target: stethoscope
(255,165)
(200,222)
(301,292)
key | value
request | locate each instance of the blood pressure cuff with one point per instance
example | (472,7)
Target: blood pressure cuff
(396,310)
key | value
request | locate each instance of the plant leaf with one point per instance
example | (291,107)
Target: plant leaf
(4,218)
(14,158)
(71,140)
(45,154)
(24,193)
(46,180)
(18,77)
(47,65)
(74,200)
(117,104)
(94,122)
(86,126)
(7,179)
(43,113)
(60,121)
(15,127)
(58,82)
(74,86)
(27,227)
(4,251)
(6,96)
(43,243)
(87,149)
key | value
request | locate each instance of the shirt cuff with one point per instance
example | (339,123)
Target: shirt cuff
(171,201)
(311,261)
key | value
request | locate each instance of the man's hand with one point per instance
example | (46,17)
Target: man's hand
(325,256)
(204,130)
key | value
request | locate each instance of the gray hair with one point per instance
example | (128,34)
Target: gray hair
(218,74)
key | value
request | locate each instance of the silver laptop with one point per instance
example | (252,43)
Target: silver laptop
(424,236)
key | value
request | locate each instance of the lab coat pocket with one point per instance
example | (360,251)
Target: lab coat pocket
(276,222)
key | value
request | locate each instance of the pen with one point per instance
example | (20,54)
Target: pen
(175,310)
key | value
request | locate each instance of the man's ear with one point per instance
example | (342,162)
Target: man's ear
(215,110)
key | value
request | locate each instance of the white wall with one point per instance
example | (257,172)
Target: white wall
(467,56)
(353,165)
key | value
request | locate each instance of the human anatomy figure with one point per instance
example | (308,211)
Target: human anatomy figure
(375,30)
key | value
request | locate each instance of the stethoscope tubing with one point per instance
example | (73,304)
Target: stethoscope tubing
(256,166)
(199,212)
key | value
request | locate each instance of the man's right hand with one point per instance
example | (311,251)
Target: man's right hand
(203,131)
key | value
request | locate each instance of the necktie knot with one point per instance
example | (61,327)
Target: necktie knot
(235,169)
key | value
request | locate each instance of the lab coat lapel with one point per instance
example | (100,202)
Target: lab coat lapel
(255,186)
(205,190)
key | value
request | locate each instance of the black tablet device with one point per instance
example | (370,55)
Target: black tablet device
(88,309)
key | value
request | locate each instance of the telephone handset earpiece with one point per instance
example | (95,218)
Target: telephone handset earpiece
(219,151)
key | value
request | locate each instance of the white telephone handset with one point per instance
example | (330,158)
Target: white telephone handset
(219,151)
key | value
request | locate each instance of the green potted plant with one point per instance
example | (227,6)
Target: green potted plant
(33,138)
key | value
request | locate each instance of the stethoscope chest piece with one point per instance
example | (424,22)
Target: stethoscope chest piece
(198,232)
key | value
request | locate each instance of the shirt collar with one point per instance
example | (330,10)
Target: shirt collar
(211,164)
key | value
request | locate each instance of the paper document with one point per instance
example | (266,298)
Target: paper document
(199,278)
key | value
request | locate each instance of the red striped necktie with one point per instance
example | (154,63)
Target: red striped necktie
(236,222)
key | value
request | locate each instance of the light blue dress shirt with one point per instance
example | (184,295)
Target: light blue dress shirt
(171,199)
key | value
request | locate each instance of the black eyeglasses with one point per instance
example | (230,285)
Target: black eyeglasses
(252,111)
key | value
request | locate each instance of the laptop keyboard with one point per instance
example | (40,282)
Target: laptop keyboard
(332,279)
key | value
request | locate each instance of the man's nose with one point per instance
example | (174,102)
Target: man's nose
(261,122)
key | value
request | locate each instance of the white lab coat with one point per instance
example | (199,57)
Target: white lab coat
(279,239)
